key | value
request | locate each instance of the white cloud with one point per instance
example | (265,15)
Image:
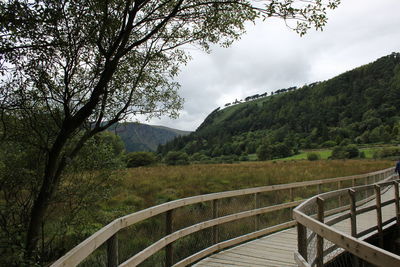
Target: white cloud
(271,57)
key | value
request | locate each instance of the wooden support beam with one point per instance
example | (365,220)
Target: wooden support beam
(353,222)
(112,251)
(320,239)
(256,206)
(169,253)
(353,212)
(397,203)
(215,215)
(379,214)
(302,240)
(340,196)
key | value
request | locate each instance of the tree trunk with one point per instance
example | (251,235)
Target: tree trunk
(56,163)
(38,211)
(54,167)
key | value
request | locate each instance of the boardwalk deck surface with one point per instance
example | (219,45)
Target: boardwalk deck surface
(276,250)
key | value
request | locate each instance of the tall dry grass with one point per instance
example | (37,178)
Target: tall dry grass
(147,186)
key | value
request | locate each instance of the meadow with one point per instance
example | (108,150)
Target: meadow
(146,186)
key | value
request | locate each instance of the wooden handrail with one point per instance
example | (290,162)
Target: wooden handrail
(351,243)
(84,249)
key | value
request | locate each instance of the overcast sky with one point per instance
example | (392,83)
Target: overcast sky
(270,57)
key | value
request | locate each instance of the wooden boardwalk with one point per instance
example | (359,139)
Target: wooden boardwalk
(276,250)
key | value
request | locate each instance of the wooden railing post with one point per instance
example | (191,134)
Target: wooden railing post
(302,240)
(291,193)
(320,239)
(319,189)
(396,199)
(353,221)
(353,215)
(215,215)
(340,196)
(112,251)
(353,182)
(256,206)
(379,214)
(168,230)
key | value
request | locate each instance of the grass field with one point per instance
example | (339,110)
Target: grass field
(146,186)
(324,153)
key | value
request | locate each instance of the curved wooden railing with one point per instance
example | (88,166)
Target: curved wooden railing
(318,238)
(109,233)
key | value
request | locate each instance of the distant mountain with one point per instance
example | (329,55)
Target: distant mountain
(359,106)
(143,137)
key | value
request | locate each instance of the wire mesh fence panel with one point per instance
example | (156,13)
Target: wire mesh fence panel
(237,204)
(192,214)
(156,260)
(97,258)
(305,192)
(191,244)
(236,228)
(135,238)
(358,182)
(274,218)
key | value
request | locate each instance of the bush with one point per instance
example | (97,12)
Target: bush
(137,159)
(199,157)
(313,156)
(244,158)
(345,152)
(263,152)
(176,158)
(352,151)
(389,152)
(338,152)
(328,143)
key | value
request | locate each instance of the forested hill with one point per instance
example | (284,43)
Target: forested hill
(359,106)
(143,137)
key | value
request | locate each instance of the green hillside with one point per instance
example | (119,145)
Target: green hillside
(361,106)
(143,137)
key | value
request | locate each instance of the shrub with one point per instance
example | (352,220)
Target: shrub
(328,143)
(338,153)
(176,158)
(313,156)
(352,151)
(199,157)
(389,152)
(345,152)
(244,158)
(263,152)
(137,159)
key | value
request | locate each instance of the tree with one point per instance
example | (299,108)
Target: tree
(177,158)
(88,179)
(264,152)
(89,64)
(137,159)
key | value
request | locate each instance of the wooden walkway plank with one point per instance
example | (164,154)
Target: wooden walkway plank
(276,250)
(245,259)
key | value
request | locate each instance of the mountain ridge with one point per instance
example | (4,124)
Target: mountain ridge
(144,137)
